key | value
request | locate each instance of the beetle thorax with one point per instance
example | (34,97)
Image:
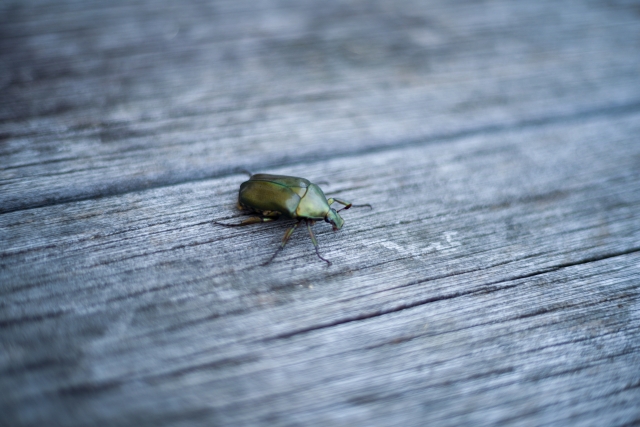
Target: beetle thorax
(313,204)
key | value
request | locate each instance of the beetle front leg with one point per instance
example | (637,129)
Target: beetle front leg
(314,241)
(285,239)
(347,205)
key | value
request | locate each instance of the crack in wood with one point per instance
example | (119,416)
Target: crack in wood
(312,158)
(487,287)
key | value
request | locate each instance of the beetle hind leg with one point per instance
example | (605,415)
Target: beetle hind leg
(266,217)
(248,221)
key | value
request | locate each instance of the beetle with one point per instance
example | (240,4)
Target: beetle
(275,196)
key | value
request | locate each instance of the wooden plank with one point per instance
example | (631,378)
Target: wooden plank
(142,97)
(495,278)
(494,282)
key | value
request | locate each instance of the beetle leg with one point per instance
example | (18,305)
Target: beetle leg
(248,221)
(314,241)
(366,205)
(347,205)
(269,216)
(285,239)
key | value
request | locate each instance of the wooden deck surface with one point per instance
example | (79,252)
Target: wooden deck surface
(495,281)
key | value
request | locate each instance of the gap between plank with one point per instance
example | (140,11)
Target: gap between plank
(487,287)
(313,157)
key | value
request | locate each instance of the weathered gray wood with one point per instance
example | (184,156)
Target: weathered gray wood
(106,99)
(495,280)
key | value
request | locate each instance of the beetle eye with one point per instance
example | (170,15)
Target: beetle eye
(326,220)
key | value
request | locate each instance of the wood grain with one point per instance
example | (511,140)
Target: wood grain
(495,280)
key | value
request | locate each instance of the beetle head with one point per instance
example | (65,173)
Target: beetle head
(334,219)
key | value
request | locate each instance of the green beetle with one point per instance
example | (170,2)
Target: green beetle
(273,196)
